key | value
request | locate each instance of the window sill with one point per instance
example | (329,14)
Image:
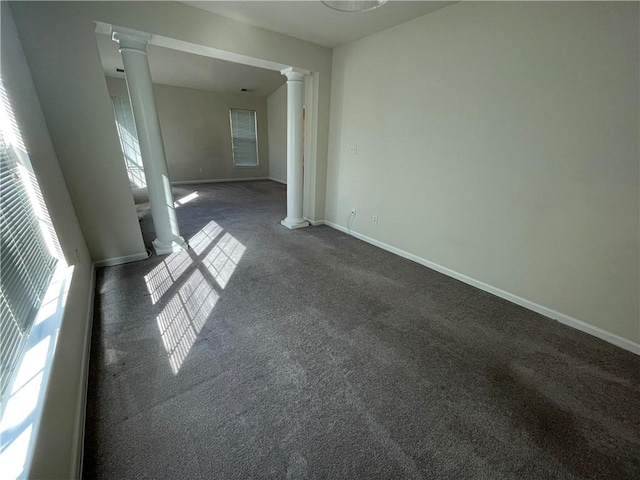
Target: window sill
(23,408)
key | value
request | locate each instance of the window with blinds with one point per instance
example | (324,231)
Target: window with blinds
(244,137)
(26,264)
(29,249)
(129,141)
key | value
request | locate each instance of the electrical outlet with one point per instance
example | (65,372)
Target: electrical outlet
(353,149)
(375,219)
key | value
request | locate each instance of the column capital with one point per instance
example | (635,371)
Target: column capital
(131,39)
(295,74)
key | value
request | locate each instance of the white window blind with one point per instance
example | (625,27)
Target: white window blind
(29,249)
(244,138)
(129,141)
(26,263)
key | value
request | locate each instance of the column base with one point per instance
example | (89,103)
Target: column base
(293,225)
(163,248)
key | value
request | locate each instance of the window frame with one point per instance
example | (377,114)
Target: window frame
(233,149)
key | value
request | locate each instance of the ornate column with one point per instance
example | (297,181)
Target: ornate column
(295,98)
(133,48)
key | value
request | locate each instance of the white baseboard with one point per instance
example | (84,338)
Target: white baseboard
(314,223)
(218,180)
(612,338)
(278,180)
(78,454)
(109,262)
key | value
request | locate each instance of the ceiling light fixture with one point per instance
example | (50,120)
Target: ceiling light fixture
(354,5)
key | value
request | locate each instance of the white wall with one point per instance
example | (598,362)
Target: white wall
(70,83)
(196,131)
(500,140)
(60,45)
(60,431)
(277,110)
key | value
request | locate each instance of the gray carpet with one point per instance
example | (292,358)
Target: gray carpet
(269,353)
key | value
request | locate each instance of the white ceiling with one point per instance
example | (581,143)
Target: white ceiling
(182,69)
(314,22)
